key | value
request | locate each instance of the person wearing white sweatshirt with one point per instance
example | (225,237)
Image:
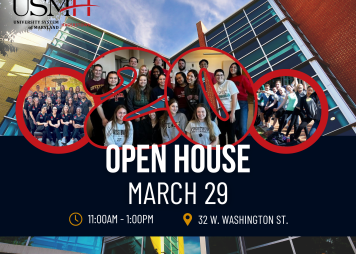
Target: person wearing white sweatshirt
(117,131)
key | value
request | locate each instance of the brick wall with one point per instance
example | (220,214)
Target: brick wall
(330,26)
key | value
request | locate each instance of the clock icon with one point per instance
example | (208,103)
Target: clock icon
(75,219)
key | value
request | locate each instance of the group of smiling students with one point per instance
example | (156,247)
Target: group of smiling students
(287,104)
(61,122)
(187,105)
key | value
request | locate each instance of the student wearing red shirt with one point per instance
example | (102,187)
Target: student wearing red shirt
(244,86)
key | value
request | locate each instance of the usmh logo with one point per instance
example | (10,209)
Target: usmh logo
(24,6)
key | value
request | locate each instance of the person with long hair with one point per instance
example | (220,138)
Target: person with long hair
(63,94)
(201,129)
(54,123)
(150,131)
(78,124)
(77,90)
(49,95)
(117,131)
(158,91)
(244,86)
(42,124)
(34,109)
(69,96)
(154,75)
(71,91)
(193,93)
(72,107)
(279,113)
(309,108)
(227,92)
(143,70)
(292,102)
(58,96)
(49,105)
(179,88)
(66,121)
(26,113)
(41,99)
(168,129)
(138,96)
(75,99)
(106,110)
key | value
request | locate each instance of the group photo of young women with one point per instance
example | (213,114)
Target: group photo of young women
(292,109)
(187,104)
(55,114)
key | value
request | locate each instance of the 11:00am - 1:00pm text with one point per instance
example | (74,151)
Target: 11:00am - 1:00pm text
(113,219)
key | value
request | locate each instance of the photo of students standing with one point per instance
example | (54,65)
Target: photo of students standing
(117,131)
(168,129)
(227,93)
(150,131)
(201,128)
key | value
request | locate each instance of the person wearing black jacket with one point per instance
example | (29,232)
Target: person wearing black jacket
(150,131)
(309,108)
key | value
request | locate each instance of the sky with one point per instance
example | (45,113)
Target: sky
(165,26)
(191,244)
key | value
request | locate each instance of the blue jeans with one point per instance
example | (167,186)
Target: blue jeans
(313,128)
(242,115)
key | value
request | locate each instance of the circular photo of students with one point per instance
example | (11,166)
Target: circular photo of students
(55,108)
(136,95)
(226,85)
(289,111)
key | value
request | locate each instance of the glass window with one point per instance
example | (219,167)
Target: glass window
(73,49)
(82,244)
(222,44)
(331,102)
(216,39)
(267,25)
(277,42)
(336,120)
(246,49)
(347,98)
(60,55)
(237,17)
(317,79)
(258,21)
(290,62)
(71,39)
(273,33)
(38,69)
(257,67)
(117,41)
(258,11)
(224,245)
(277,248)
(254,6)
(83,35)
(308,69)
(101,51)
(88,29)
(108,45)
(50,63)
(283,52)
(236,26)
(18,240)
(214,32)
(237,34)
(256,241)
(242,40)
(250,58)
(320,245)
(255,78)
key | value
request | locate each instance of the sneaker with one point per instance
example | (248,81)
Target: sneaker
(64,140)
(71,142)
(271,128)
(60,143)
(52,143)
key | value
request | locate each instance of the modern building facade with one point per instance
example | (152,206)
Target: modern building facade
(179,245)
(262,35)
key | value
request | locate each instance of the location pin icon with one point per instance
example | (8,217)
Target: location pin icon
(187,218)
